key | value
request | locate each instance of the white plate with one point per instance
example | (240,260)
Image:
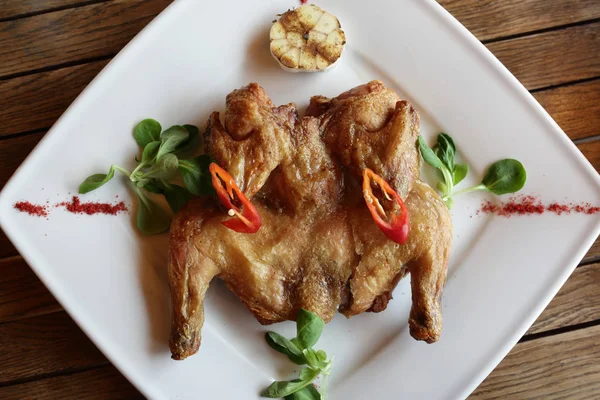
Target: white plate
(112,281)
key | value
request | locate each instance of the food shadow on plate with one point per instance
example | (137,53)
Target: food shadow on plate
(232,323)
(258,56)
(383,344)
(154,283)
(153,272)
(376,333)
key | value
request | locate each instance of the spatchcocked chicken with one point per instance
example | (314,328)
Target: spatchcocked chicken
(324,212)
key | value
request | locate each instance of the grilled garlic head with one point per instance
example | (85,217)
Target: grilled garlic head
(307,39)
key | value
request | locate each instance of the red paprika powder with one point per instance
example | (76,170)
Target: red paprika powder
(32,209)
(92,207)
(527,205)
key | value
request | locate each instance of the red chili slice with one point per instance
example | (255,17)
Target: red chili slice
(245,219)
(394,225)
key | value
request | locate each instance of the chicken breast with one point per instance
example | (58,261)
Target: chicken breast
(318,247)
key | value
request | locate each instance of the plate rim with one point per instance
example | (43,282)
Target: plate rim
(454,25)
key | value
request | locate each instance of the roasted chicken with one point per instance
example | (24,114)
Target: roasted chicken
(318,246)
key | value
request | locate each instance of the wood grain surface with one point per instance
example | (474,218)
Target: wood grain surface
(563,366)
(552,58)
(12,9)
(44,344)
(36,101)
(593,254)
(591,151)
(98,383)
(22,295)
(577,302)
(576,108)
(76,34)
(494,19)
(51,49)
(14,151)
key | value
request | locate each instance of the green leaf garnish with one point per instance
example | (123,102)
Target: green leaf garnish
(147,131)
(446,151)
(151,218)
(188,148)
(505,176)
(502,177)
(150,152)
(158,165)
(309,392)
(171,139)
(93,182)
(165,168)
(176,196)
(196,176)
(280,389)
(154,186)
(308,374)
(309,327)
(321,355)
(429,155)
(311,358)
(285,346)
(460,173)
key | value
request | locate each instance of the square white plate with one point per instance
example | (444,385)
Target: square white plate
(112,281)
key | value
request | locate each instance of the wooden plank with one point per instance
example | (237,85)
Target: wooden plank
(16,8)
(6,247)
(36,101)
(565,366)
(552,58)
(100,383)
(22,294)
(120,20)
(591,151)
(577,302)
(67,36)
(14,151)
(491,19)
(46,344)
(576,108)
(593,253)
(561,366)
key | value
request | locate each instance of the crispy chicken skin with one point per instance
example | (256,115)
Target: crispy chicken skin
(318,247)
(371,127)
(255,138)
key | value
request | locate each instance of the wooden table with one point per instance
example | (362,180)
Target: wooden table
(51,49)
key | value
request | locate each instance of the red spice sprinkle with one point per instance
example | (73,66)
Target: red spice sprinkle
(559,208)
(91,208)
(303,1)
(31,209)
(592,210)
(527,205)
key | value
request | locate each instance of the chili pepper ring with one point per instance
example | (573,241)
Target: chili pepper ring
(394,226)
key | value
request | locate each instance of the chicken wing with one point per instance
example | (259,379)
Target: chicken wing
(371,127)
(318,247)
(255,138)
